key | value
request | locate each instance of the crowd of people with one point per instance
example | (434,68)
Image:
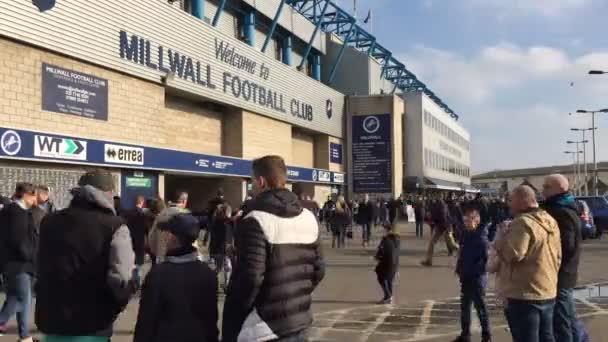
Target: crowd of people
(85,262)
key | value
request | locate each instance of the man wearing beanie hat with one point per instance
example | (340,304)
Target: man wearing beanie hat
(85,265)
(179,296)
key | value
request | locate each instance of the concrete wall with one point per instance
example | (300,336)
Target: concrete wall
(379,104)
(352,76)
(421,137)
(414,161)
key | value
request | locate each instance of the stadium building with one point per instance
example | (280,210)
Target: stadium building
(182,95)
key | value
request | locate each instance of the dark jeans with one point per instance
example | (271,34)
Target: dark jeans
(419,228)
(386,283)
(18,300)
(366,229)
(473,293)
(564,317)
(531,321)
(339,236)
(301,336)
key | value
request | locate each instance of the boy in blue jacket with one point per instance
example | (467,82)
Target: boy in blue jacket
(471,268)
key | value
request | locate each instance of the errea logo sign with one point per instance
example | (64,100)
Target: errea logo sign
(119,154)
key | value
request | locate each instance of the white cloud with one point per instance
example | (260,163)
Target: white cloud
(515,100)
(549,8)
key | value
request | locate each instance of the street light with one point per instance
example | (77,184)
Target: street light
(597,72)
(584,130)
(578,167)
(574,166)
(592,112)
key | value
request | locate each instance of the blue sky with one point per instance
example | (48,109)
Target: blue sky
(512,69)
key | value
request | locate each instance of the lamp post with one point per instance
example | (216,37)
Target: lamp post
(578,168)
(584,130)
(574,166)
(592,112)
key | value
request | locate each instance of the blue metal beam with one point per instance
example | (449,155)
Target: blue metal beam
(314,34)
(273,26)
(218,13)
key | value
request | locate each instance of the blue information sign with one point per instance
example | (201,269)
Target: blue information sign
(372,153)
(335,153)
(54,148)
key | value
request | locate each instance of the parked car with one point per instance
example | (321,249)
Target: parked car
(589,229)
(599,209)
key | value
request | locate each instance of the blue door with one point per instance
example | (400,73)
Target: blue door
(135,183)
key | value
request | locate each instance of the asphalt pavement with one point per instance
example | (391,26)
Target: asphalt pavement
(426,304)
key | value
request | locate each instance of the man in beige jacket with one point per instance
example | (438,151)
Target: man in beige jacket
(531,256)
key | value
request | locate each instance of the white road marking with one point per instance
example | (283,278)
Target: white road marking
(371,329)
(425,319)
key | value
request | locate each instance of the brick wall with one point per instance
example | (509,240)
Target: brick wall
(303,149)
(137,114)
(263,136)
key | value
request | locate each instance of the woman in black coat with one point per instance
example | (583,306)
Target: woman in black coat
(388,262)
(340,220)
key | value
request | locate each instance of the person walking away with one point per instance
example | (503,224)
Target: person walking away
(387,256)
(441,221)
(220,243)
(214,202)
(17,258)
(471,269)
(156,206)
(179,296)
(279,263)
(328,212)
(85,265)
(561,205)
(366,217)
(531,255)
(341,219)
(137,221)
(456,217)
(393,206)
(420,214)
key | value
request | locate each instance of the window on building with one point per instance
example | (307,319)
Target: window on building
(309,66)
(278,49)
(186,5)
(239,27)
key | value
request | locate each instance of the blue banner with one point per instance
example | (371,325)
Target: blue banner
(372,153)
(21,144)
(335,153)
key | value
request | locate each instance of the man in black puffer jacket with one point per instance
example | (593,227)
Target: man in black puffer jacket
(561,205)
(279,263)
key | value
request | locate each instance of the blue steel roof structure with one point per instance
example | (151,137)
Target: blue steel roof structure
(330,18)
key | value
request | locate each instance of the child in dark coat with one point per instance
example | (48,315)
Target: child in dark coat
(388,262)
(471,268)
(179,296)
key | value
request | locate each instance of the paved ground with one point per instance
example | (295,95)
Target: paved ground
(426,307)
